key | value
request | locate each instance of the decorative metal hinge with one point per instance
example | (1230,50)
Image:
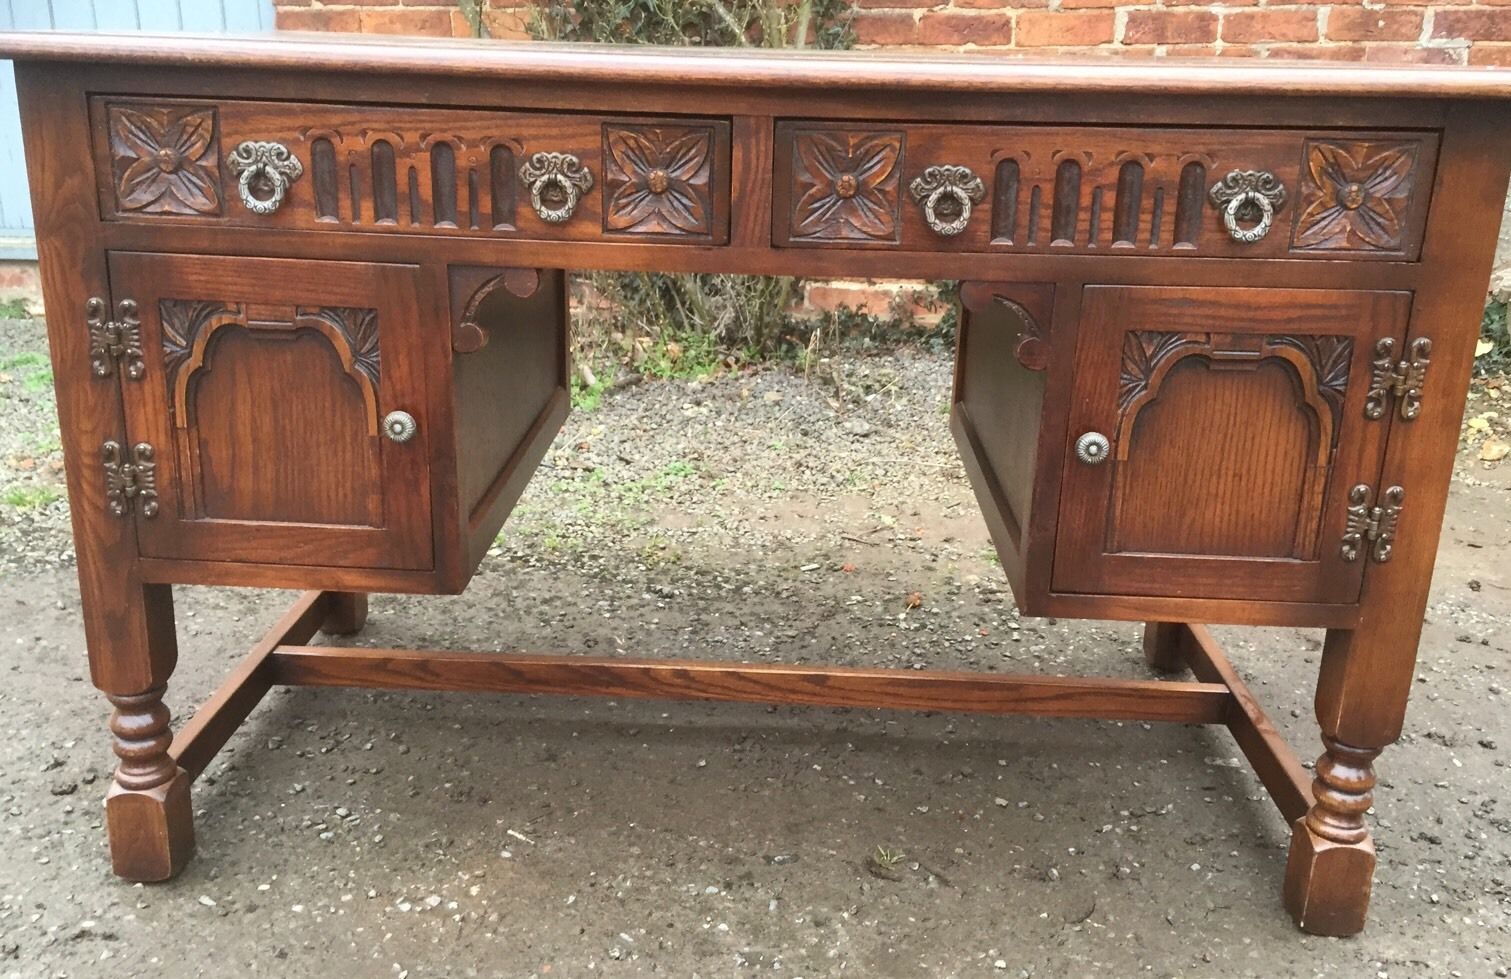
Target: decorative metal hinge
(112,340)
(1374,524)
(1402,379)
(130,480)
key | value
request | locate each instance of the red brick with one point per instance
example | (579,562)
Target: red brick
(390,21)
(1185,50)
(1040,28)
(20,278)
(1318,52)
(950,27)
(1363,24)
(507,24)
(996,4)
(885,28)
(1198,3)
(832,296)
(1087,4)
(317,20)
(1490,54)
(1249,26)
(1411,54)
(460,25)
(1170,27)
(1474,24)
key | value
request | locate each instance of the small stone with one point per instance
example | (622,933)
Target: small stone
(207,900)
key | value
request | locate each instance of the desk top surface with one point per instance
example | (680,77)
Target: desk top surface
(750,68)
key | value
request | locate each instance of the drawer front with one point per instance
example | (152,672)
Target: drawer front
(427,171)
(1047,189)
(285,406)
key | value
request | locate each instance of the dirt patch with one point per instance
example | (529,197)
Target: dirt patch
(760,518)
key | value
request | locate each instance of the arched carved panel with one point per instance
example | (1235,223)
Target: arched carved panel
(190,325)
(1271,409)
(1321,364)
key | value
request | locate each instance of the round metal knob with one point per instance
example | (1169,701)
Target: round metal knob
(1093,448)
(399,426)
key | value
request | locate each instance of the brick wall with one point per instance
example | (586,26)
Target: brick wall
(1466,32)
(1476,33)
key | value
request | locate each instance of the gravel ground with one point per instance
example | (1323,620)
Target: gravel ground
(759,517)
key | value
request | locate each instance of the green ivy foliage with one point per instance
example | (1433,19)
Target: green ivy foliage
(698,23)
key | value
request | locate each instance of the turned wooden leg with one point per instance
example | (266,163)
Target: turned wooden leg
(1162,646)
(1361,703)
(147,810)
(1332,861)
(346,615)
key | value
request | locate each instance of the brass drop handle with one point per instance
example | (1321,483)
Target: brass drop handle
(556,182)
(1248,195)
(399,426)
(1093,448)
(265,171)
(946,194)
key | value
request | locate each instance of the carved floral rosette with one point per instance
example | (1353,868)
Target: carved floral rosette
(164,159)
(659,180)
(846,186)
(1355,196)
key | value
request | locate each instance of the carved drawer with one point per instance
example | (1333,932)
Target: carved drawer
(1153,191)
(413,170)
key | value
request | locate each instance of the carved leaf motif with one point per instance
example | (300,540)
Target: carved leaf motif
(164,159)
(1330,357)
(659,180)
(846,185)
(1143,350)
(360,328)
(182,321)
(1355,195)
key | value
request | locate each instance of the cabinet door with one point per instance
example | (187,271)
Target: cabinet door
(1235,428)
(266,386)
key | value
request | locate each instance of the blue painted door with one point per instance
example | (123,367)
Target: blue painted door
(202,16)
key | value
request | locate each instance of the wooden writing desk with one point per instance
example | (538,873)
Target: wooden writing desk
(309,329)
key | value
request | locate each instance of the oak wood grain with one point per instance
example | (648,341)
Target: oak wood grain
(609,65)
(985,693)
(233,701)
